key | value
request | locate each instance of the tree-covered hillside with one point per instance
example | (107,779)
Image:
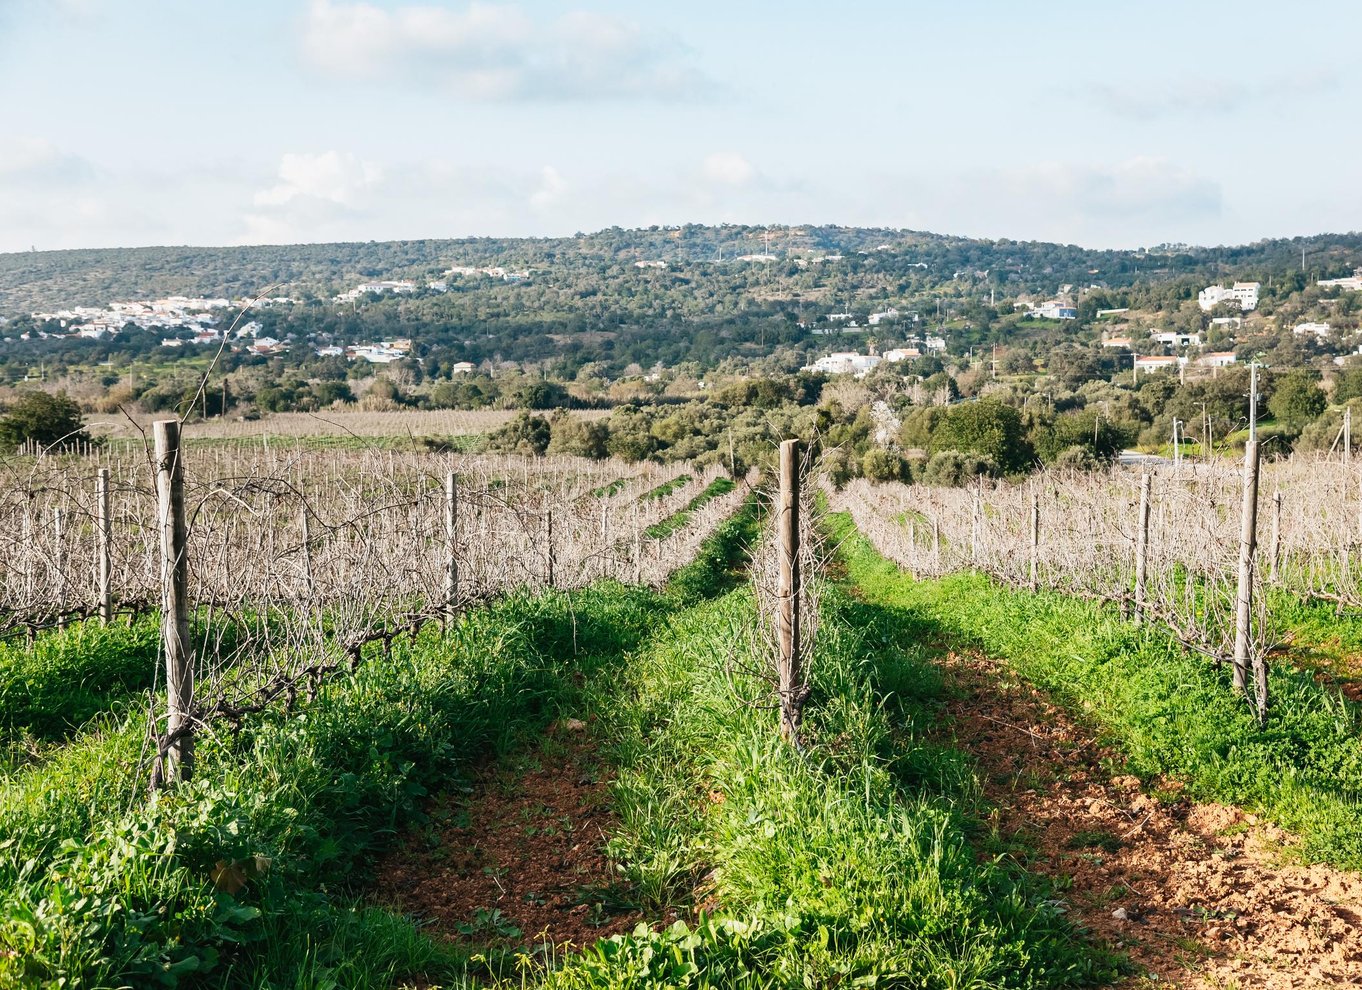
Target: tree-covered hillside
(47,280)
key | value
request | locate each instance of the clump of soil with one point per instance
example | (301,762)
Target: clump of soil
(1202,895)
(518,861)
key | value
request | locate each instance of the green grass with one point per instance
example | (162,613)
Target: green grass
(847,863)
(99,887)
(666,488)
(251,876)
(68,676)
(1171,713)
(716,488)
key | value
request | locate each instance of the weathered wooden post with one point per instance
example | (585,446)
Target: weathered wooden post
(976,519)
(307,549)
(1276,535)
(936,545)
(790,672)
(548,544)
(59,534)
(451,547)
(1248,545)
(1142,547)
(178,760)
(638,548)
(1035,541)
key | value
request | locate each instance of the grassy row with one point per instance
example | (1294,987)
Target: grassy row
(666,488)
(1171,713)
(250,873)
(68,676)
(847,863)
(251,876)
(677,520)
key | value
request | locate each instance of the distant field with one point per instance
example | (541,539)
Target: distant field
(345,423)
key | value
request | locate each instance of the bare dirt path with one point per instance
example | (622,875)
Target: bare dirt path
(520,860)
(1202,895)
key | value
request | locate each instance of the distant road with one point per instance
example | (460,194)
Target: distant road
(1130,458)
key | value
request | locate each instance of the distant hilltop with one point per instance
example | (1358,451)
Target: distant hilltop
(49,280)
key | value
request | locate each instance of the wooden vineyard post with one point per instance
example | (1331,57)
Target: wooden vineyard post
(548,544)
(1276,536)
(976,520)
(638,548)
(103,547)
(451,547)
(1035,541)
(1142,547)
(59,535)
(790,671)
(936,546)
(177,763)
(307,550)
(1248,543)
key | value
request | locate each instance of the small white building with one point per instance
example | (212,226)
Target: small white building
(1171,338)
(1218,359)
(902,354)
(844,363)
(935,343)
(1243,293)
(462,368)
(1320,330)
(1117,342)
(1157,362)
(1353,283)
(889,314)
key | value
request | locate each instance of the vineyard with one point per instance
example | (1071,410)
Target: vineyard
(301,715)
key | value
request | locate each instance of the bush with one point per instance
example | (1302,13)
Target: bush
(1076,459)
(880,464)
(526,434)
(51,420)
(952,469)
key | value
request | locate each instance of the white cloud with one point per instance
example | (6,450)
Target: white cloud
(1141,200)
(1200,96)
(728,168)
(330,176)
(551,187)
(37,159)
(496,52)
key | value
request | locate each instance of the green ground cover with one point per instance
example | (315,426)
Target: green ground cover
(1171,712)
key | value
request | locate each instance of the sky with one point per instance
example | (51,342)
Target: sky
(142,122)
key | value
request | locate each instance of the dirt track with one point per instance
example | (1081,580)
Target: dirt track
(1200,895)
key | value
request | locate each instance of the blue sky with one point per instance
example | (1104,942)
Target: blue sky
(131,122)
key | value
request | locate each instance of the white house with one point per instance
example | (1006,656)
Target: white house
(1320,330)
(461,368)
(1243,293)
(844,363)
(1218,359)
(888,314)
(1122,342)
(1352,283)
(1233,322)
(1171,338)
(1157,362)
(935,343)
(1054,309)
(902,354)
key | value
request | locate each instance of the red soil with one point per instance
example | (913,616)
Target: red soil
(1204,896)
